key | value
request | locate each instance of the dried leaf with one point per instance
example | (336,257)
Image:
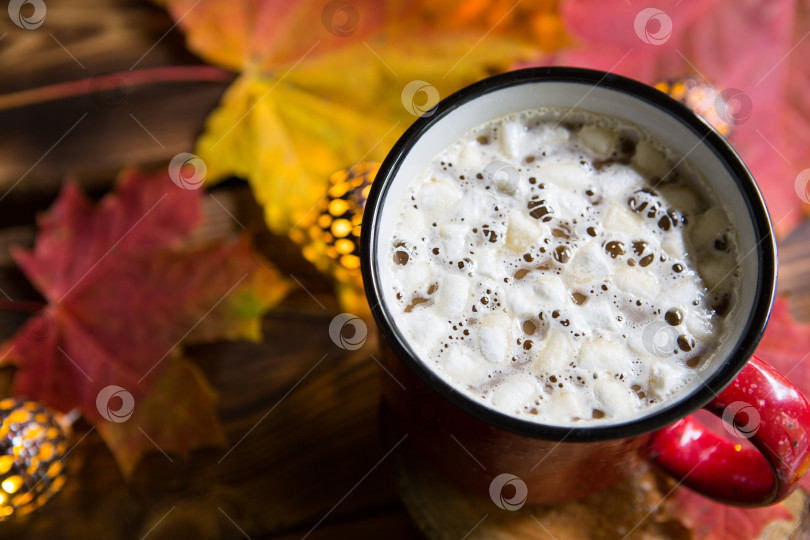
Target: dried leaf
(123,290)
(755,51)
(178,414)
(314,100)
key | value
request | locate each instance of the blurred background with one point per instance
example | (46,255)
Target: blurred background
(290,105)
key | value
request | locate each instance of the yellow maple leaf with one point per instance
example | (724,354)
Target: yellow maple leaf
(321,85)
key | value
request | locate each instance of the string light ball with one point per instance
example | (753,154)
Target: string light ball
(703,98)
(32,445)
(330,239)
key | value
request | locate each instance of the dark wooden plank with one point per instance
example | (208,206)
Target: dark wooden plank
(81,39)
(305,412)
(391,525)
(311,450)
(794,270)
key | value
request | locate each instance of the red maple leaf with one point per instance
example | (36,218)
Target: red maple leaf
(124,288)
(756,51)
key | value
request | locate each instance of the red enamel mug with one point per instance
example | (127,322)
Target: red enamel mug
(474,445)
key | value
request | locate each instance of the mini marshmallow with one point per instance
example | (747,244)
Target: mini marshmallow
(557,353)
(416,223)
(683,199)
(664,380)
(523,232)
(715,269)
(602,356)
(511,138)
(590,263)
(623,221)
(615,398)
(641,284)
(492,338)
(615,180)
(438,195)
(425,326)
(551,290)
(416,279)
(464,367)
(674,246)
(565,202)
(598,139)
(563,407)
(488,264)
(453,294)
(699,323)
(453,245)
(570,175)
(600,317)
(516,393)
(522,302)
(650,160)
(549,135)
(470,154)
(708,227)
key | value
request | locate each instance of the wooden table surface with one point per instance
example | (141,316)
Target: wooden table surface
(305,458)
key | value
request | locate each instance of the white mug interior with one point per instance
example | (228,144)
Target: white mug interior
(671,130)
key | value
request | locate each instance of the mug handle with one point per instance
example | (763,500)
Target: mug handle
(762,406)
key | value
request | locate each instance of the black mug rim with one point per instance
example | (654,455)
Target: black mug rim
(699,397)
